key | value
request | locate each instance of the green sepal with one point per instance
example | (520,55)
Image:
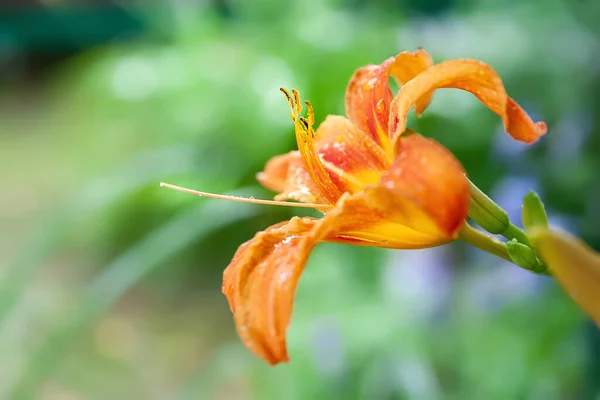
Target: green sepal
(534,213)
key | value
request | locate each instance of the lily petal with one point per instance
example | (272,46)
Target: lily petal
(361,219)
(575,265)
(350,156)
(287,175)
(368,95)
(420,202)
(473,76)
(406,66)
(429,175)
(260,284)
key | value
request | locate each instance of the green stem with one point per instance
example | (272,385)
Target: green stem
(514,232)
(484,242)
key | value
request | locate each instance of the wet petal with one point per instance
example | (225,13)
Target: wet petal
(575,265)
(368,95)
(429,175)
(350,156)
(287,175)
(422,201)
(260,284)
(362,219)
(475,77)
(408,65)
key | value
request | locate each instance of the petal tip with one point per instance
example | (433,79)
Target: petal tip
(260,284)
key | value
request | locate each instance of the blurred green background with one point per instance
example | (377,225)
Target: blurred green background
(110,286)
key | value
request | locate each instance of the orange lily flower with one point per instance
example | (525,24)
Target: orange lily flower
(376,183)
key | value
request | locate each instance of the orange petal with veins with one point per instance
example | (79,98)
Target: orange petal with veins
(421,201)
(473,76)
(406,66)
(350,156)
(260,284)
(429,175)
(368,95)
(362,219)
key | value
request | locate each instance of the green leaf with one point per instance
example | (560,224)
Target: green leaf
(145,169)
(121,274)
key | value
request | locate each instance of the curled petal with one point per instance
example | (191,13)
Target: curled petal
(475,77)
(287,175)
(368,95)
(305,136)
(518,124)
(350,156)
(575,265)
(406,66)
(260,284)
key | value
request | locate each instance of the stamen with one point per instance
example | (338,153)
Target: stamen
(310,113)
(305,137)
(245,199)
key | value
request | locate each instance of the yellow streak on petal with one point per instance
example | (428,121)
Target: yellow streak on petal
(366,219)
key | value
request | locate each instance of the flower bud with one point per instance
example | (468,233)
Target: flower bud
(523,256)
(487,214)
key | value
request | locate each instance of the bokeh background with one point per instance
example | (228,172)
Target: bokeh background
(110,285)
